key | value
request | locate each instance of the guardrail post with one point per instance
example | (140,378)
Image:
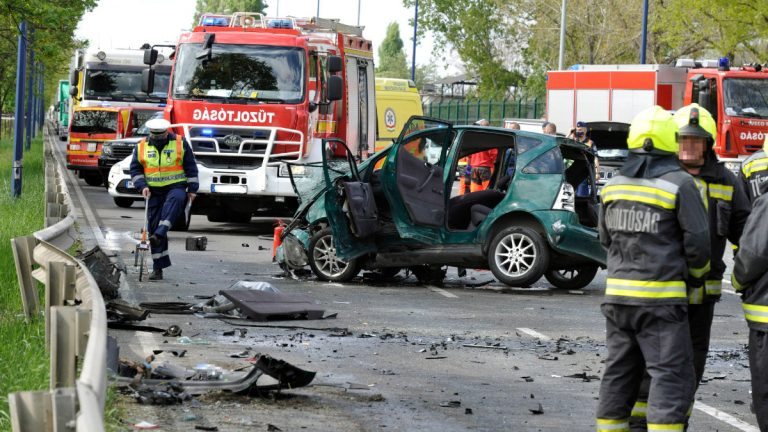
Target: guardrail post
(59,287)
(64,409)
(22,255)
(43,410)
(63,346)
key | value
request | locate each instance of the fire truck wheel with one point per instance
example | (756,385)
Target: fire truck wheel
(93,179)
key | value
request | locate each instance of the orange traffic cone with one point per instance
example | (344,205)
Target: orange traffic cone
(276,239)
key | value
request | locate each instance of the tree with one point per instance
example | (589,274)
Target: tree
(481,36)
(392,62)
(226,7)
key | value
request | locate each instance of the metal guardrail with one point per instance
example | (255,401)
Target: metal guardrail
(75,320)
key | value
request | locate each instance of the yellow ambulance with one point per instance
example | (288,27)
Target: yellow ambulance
(396,101)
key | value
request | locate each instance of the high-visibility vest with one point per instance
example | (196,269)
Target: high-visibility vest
(162,167)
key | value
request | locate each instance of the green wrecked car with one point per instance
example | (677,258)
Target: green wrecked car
(401,208)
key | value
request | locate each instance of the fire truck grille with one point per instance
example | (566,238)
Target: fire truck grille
(230,162)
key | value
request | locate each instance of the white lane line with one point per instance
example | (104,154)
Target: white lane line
(726,418)
(534,333)
(443,292)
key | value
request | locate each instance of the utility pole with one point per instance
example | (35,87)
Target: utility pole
(415,26)
(18,134)
(41,98)
(318,8)
(644,41)
(561,58)
(30,92)
(358,13)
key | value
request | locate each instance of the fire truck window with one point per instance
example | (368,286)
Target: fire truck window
(94,122)
(747,97)
(251,72)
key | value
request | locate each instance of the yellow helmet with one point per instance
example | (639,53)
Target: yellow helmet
(693,120)
(653,129)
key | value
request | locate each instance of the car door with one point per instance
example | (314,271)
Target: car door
(349,203)
(414,187)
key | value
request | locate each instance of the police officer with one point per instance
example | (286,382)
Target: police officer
(163,168)
(750,278)
(754,173)
(728,209)
(654,225)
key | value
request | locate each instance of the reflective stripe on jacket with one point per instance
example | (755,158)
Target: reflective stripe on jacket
(750,269)
(163,167)
(754,175)
(657,236)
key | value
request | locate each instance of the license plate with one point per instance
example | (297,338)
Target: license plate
(229,189)
(91,147)
(128,184)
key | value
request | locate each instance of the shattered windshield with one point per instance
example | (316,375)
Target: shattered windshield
(95,122)
(254,73)
(122,84)
(308,180)
(747,97)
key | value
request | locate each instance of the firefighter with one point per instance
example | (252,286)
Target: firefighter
(754,173)
(163,168)
(728,208)
(654,225)
(749,278)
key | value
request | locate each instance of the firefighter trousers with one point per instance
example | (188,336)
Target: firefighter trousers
(656,338)
(165,207)
(700,322)
(758,367)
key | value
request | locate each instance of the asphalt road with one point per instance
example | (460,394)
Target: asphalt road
(406,365)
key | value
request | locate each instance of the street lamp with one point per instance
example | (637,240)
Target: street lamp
(645,32)
(415,26)
(561,58)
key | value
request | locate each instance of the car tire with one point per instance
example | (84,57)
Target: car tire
(93,179)
(217,215)
(323,261)
(518,256)
(123,202)
(571,279)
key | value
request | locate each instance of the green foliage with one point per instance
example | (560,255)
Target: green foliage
(392,62)
(226,7)
(23,360)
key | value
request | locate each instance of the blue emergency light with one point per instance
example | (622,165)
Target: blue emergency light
(215,21)
(723,64)
(206,132)
(280,23)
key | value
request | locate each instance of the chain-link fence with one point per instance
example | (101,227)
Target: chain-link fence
(464,111)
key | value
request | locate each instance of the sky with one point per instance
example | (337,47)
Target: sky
(114,25)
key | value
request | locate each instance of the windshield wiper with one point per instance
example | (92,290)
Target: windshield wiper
(750,114)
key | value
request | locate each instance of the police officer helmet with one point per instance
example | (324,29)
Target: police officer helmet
(695,121)
(653,129)
(158,126)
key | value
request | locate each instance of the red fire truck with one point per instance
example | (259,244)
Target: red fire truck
(251,92)
(736,97)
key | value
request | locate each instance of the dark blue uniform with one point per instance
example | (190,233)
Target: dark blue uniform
(166,204)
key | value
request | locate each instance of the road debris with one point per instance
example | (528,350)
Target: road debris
(537,411)
(104,271)
(584,377)
(259,305)
(496,346)
(196,243)
(144,425)
(119,310)
(450,404)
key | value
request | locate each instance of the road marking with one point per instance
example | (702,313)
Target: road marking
(443,292)
(726,418)
(534,333)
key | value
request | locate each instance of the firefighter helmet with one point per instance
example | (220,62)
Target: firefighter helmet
(653,129)
(695,121)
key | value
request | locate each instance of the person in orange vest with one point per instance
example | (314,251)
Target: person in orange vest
(482,165)
(163,168)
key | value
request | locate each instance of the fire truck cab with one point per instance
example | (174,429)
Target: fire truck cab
(250,93)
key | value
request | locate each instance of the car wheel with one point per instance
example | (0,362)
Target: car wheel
(217,215)
(93,179)
(518,256)
(323,261)
(123,202)
(571,278)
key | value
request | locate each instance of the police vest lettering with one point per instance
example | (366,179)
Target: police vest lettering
(222,115)
(632,220)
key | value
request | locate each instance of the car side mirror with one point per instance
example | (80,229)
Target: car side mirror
(150,56)
(148,80)
(335,88)
(334,64)
(74,77)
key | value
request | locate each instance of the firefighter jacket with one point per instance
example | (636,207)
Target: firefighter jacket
(728,208)
(654,224)
(754,175)
(170,166)
(750,270)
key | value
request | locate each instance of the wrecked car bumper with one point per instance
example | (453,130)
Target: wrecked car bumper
(567,236)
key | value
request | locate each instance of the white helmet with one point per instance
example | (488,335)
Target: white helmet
(158,126)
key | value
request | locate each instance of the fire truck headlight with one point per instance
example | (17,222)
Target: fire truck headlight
(101,55)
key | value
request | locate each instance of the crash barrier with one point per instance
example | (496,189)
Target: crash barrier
(75,320)
(6,126)
(466,111)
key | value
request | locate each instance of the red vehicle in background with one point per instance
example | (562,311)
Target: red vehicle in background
(89,128)
(736,96)
(251,92)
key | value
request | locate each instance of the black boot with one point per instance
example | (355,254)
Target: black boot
(156,275)
(154,241)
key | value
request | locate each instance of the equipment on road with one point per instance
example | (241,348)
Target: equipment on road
(142,248)
(252,92)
